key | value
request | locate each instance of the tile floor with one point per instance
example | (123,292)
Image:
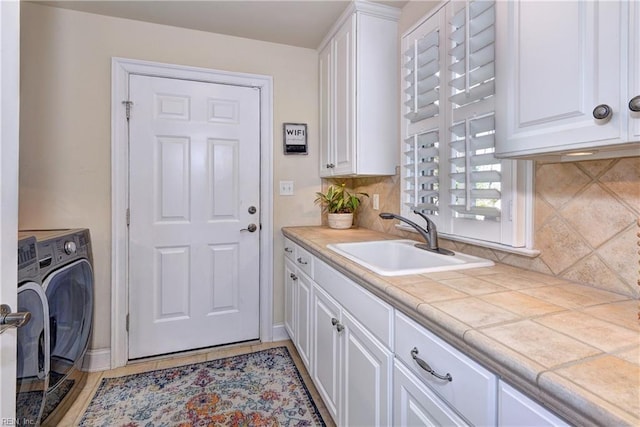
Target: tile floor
(74,415)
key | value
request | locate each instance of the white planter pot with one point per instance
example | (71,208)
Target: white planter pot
(340,221)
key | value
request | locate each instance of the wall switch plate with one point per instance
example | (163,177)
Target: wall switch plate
(286,188)
(376,202)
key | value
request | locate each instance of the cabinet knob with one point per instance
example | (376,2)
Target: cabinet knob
(602,112)
(339,326)
(288,250)
(293,276)
(330,165)
(301,261)
(634,103)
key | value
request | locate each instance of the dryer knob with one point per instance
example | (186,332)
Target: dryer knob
(70,247)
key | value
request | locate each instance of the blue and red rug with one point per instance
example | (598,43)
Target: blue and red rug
(255,389)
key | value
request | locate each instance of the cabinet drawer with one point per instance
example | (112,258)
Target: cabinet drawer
(472,390)
(289,249)
(304,261)
(370,310)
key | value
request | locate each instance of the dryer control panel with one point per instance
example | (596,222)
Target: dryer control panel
(63,247)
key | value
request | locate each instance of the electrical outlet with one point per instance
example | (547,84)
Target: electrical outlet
(286,188)
(376,202)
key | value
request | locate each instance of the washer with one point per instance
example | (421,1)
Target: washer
(65,265)
(33,337)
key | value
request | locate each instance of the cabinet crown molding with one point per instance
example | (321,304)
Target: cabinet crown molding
(373,9)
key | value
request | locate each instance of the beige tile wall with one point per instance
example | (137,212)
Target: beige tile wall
(586,222)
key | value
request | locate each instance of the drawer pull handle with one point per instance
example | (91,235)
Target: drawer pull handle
(293,276)
(302,262)
(424,365)
(288,250)
(339,326)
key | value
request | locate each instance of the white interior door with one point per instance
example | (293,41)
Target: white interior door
(194,193)
(9,123)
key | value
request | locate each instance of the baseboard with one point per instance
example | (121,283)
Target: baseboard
(280,332)
(97,360)
(100,359)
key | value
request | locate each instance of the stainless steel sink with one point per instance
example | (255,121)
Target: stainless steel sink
(401,257)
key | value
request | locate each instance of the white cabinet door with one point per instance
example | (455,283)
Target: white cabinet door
(344,92)
(325,87)
(358,78)
(290,278)
(515,409)
(303,318)
(549,81)
(415,405)
(326,349)
(367,377)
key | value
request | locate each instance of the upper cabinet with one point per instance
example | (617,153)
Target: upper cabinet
(358,93)
(568,79)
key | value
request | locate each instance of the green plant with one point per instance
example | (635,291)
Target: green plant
(337,199)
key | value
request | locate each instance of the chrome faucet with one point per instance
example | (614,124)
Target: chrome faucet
(430,234)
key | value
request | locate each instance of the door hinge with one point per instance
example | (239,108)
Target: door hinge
(128,215)
(127,107)
(127,322)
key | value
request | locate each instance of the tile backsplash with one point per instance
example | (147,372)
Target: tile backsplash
(586,222)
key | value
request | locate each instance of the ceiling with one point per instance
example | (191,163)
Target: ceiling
(302,23)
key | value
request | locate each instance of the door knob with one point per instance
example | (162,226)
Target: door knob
(634,104)
(12,320)
(250,228)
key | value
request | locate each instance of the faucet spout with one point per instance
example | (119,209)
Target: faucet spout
(430,234)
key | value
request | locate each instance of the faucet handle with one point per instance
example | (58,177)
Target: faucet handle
(430,223)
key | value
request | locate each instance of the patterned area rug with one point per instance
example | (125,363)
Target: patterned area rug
(255,389)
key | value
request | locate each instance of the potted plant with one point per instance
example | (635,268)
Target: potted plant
(340,205)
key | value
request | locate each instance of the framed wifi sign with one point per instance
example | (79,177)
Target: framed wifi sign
(295,138)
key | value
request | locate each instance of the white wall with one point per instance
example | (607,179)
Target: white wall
(65,123)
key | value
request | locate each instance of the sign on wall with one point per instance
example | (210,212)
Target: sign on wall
(295,138)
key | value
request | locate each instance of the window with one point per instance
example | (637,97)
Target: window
(450,172)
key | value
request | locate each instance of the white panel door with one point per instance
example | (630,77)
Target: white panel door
(9,106)
(194,176)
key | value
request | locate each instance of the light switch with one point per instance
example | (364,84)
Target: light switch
(286,188)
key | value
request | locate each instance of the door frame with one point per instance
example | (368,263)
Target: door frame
(9,147)
(121,68)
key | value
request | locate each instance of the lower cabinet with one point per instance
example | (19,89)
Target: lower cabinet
(516,409)
(290,278)
(415,404)
(351,369)
(303,318)
(458,381)
(374,366)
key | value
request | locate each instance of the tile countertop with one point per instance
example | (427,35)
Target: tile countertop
(574,348)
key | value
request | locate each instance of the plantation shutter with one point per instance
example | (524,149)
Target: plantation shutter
(450,171)
(476,175)
(422,64)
